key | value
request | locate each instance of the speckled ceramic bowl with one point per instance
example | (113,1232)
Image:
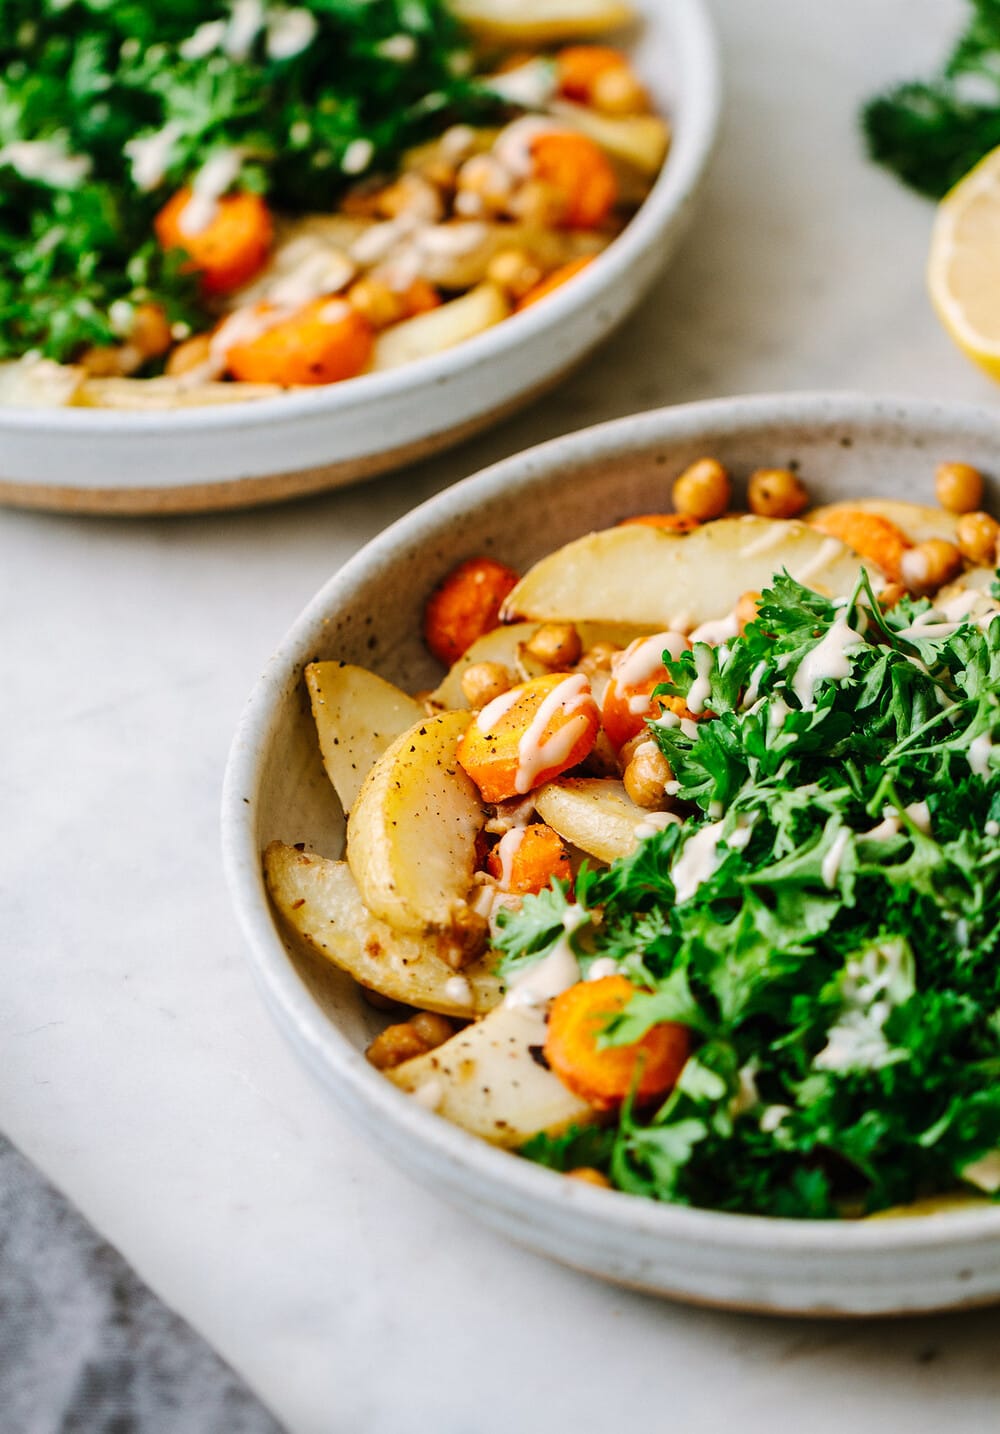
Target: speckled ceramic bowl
(369,613)
(193,459)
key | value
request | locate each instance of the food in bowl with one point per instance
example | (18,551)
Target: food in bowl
(213,204)
(687,869)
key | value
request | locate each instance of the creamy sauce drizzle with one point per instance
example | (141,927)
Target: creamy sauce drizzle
(214,177)
(701,687)
(150,156)
(830,866)
(828,661)
(718,631)
(46,160)
(506,850)
(827,553)
(555,974)
(979,754)
(457,989)
(536,752)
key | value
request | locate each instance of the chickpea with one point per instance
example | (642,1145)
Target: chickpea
(589,1176)
(483,681)
(555,645)
(150,332)
(977,535)
(703,490)
(598,658)
(376,302)
(192,354)
(483,186)
(646,775)
(616,91)
(777,493)
(395,1045)
(432,1029)
(959,487)
(415,1037)
(930,565)
(515,272)
(413,196)
(538,204)
(890,595)
(746,609)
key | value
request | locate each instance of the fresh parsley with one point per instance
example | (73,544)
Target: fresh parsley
(827,920)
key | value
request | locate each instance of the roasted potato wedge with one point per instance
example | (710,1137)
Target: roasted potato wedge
(440,329)
(654,579)
(412,833)
(320,900)
(487,1080)
(542,22)
(918,521)
(357,716)
(157,395)
(596,814)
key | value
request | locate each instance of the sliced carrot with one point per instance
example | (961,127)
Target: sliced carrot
(673,522)
(527,859)
(530,735)
(465,605)
(869,534)
(580,172)
(605,1076)
(628,698)
(323,343)
(554,281)
(420,298)
(231,248)
(578,66)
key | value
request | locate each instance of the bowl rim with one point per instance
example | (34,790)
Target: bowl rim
(691,149)
(344,1069)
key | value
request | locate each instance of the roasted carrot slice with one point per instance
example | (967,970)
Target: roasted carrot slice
(554,281)
(635,673)
(323,343)
(530,735)
(527,859)
(605,1077)
(230,249)
(869,534)
(580,172)
(465,605)
(579,66)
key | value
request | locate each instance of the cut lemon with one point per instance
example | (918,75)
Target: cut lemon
(540,22)
(963,273)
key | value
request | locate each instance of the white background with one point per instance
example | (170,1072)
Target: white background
(137,1066)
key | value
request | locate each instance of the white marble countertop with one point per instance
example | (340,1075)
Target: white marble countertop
(138,1068)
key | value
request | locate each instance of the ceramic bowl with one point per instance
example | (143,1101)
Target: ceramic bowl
(369,613)
(237,454)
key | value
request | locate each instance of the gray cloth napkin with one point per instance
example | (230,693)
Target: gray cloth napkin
(85,1347)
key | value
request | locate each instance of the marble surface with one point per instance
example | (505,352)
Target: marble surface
(137,1067)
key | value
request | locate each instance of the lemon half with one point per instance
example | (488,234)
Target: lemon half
(963,273)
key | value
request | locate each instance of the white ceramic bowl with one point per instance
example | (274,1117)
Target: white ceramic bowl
(231,455)
(275,788)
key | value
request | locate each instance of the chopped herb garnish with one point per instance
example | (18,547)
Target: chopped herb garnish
(827,921)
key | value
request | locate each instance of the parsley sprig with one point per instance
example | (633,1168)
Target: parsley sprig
(838,960)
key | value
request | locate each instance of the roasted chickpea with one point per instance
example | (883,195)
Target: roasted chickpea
(538,204)
(929,565)
(483,681)
(598,658)
(413,196)
(514,271)
(890,595)
(415,1037)
(977,535)
(746,609)
(616,91)
(589,1176)
(777,493)
(555,645)
(376,302)
(192,354)
(703,490)
(395,1045)
(432,1029)
(483,186)
(150,331)
(646,775)
(959,487)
